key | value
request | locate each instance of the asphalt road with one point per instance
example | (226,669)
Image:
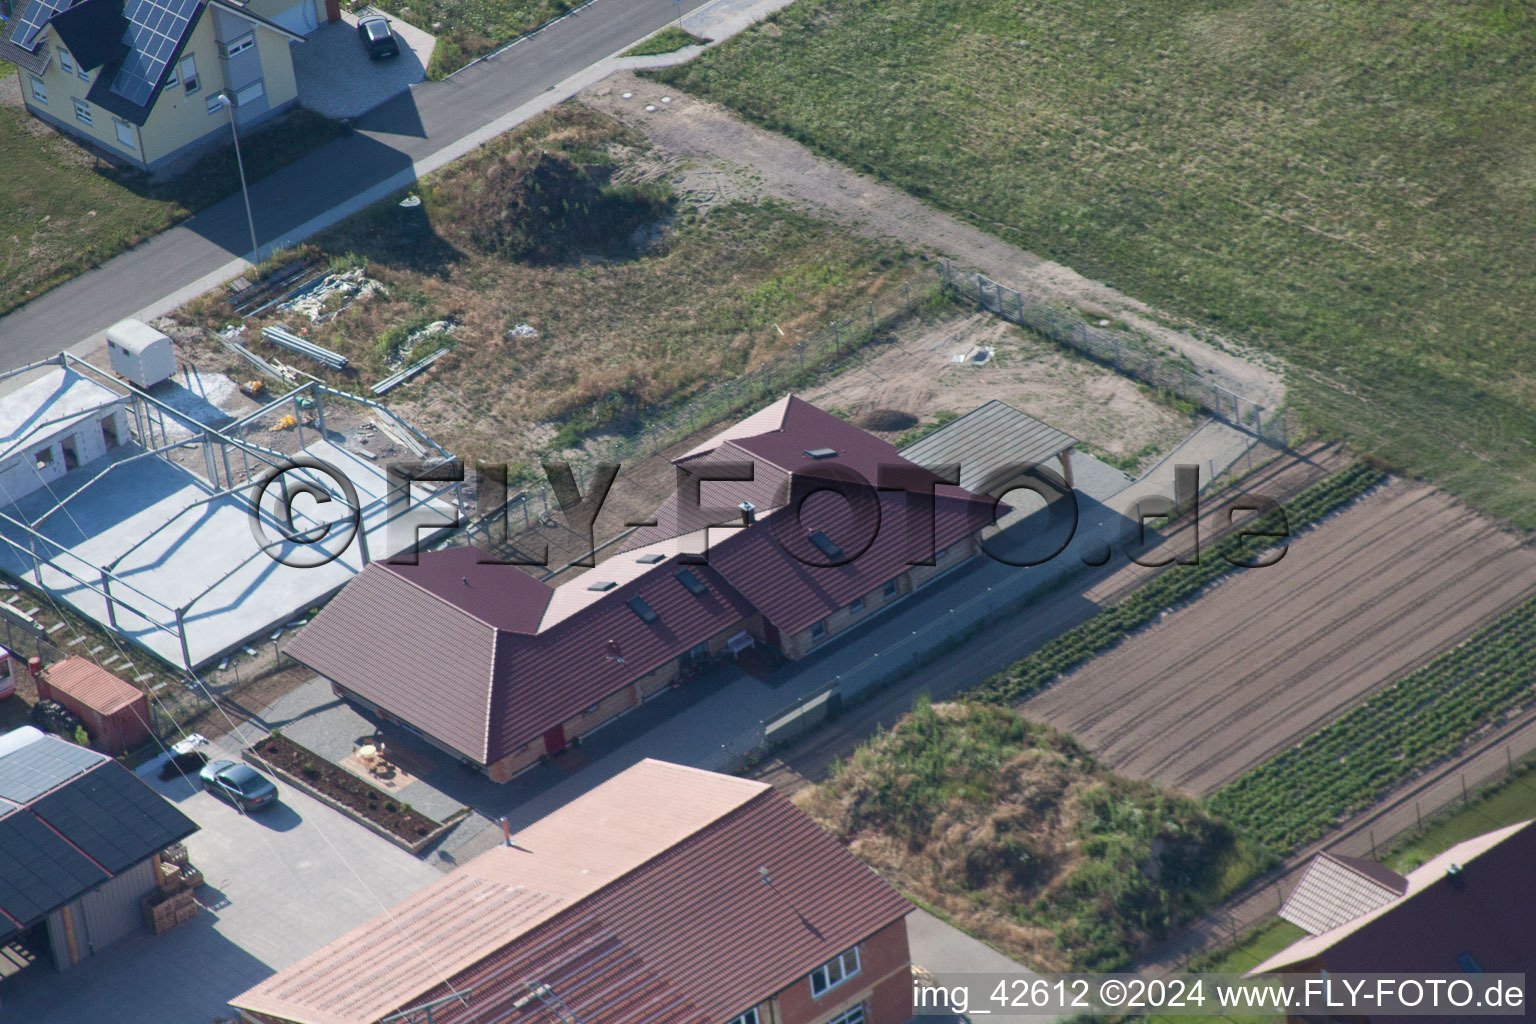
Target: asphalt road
(387,141)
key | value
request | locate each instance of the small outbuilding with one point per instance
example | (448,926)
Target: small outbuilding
(994,446)
(139,353)
(55,424)
(115,712)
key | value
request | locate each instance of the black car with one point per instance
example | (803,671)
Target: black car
(377,38)
(238,783)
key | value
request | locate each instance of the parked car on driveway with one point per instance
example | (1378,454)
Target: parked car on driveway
(378,39)
(239,784)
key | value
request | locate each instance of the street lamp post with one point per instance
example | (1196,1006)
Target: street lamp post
(228,103)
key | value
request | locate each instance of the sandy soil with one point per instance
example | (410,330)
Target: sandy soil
(731,156)
(917,374)
(1230,679)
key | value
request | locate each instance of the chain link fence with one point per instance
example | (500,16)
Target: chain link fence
(1122,350)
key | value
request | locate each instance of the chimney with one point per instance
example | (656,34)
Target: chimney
(506,832)
(1454,874)
(748,513)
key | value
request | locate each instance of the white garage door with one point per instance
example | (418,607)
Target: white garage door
(299,18)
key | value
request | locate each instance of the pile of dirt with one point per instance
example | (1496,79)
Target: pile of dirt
(1014,832)
(886,420)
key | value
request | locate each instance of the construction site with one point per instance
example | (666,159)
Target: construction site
(194,515)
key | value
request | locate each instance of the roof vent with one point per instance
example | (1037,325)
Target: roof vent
(821,453)
(646,613)
(691,582)
(602,585)
(825,545)
(748,512)
(651,559)
(1454,874)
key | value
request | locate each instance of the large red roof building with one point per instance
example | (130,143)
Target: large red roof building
(666,895)
(501,669)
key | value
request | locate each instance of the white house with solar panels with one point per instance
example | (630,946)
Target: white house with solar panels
(141,79)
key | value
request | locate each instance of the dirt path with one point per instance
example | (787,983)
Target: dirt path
(1220,685)
(729,157)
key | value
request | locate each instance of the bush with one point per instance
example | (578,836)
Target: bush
(543,208)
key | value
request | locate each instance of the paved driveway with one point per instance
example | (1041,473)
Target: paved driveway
(337,79)
(279,885)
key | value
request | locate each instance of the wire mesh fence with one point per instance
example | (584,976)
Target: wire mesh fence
(1120,349)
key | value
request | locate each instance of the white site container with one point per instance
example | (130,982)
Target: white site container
(140,353)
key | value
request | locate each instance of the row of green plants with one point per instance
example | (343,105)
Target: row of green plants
(1423,718)
(1171,586)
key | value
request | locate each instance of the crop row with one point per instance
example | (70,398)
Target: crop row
(1176,583)
(1423,718)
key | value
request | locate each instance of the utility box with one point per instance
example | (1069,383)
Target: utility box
(140,354)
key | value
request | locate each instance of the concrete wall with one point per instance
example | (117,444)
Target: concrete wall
(20,474)
(883,984)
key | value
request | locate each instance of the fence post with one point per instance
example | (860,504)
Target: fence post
(1464,799)
(1419,815)
(981,294)
(837,338)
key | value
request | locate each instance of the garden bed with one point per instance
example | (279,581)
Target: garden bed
(302,767)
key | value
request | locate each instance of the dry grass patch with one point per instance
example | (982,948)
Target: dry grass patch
(1015,833)
(644,313)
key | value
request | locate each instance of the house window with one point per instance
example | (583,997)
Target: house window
(699,651)
(889,590)
(82,74)
(939,555)
(67,65)
(249,94)
(82,112)
(189,75)
(857,605)
(834,972)
(216,104)
(819,631)
(240,45)
(39,90)
(172,80)
(750,1017)
(852,1015)
(124,132)
(43,457)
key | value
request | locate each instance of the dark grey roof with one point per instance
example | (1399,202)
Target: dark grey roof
(987,440)
(1379,873)
(70,819)
(92,31)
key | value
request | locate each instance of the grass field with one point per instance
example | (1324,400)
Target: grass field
(466,29)
(64,211)
(1017,835)
(1511,801)
(668,40)
(1348,185)
(551,350)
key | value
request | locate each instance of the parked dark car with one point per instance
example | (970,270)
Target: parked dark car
(378,39)
(240,784)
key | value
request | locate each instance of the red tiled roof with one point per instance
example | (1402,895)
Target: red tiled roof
(677,924)
(485,658)
(544,680)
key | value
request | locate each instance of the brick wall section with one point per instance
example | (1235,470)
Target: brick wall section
(884,984)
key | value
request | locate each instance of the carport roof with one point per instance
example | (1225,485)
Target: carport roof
(987,441)
(70,819)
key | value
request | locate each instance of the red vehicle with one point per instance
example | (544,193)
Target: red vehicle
(7,677)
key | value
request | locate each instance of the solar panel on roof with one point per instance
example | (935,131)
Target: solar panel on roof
(114,817)
(155,28)
(826,546)
(38,870)
(30,771)
(33,19)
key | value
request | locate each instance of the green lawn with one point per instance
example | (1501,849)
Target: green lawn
(1511,801)
(1348,185)
(467,29)
(64,211)
(668,40)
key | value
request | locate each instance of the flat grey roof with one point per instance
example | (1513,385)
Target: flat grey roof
(987,439)
(49,406)
(33,763)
